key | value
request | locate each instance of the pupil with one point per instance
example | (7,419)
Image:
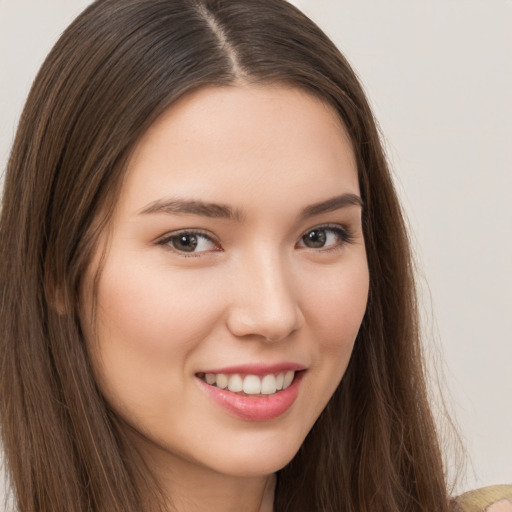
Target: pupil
(315,238)
(186,243)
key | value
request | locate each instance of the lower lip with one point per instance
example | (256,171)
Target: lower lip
(254,408)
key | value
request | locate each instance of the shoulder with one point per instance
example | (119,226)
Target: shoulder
(496,498)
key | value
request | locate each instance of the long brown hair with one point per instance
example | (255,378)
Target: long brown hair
(112,73)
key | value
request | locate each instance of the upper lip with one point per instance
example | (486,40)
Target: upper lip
(257,369)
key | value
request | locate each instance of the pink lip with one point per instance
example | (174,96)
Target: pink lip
(257,369)
(253,408)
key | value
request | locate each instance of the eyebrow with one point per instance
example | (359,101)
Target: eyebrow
(222,211)
(192,207)
(331,205)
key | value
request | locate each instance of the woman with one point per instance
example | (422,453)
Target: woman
(207,290)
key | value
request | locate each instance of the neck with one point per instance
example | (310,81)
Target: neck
(219,493)
(190,487)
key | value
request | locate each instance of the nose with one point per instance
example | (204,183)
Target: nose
(264,300)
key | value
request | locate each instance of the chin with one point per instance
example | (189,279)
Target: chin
(257,457)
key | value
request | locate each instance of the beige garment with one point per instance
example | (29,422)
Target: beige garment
(496,498)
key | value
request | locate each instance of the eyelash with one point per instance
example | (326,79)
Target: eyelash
(168,239)
(343,234)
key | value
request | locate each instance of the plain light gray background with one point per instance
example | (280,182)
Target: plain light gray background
(439,75)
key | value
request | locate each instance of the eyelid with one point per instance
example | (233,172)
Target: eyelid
(165,239)
(346,235)
(342,231)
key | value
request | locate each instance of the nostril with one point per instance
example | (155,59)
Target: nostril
(270,326)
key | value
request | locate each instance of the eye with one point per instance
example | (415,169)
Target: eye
(325,237)
(191,242)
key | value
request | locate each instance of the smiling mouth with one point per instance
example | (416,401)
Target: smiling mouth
(252,385)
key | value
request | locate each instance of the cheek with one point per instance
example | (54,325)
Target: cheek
(148,322)
(336,309)
(155,310)
(336,312)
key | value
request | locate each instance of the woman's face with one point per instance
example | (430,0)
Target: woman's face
(236,258)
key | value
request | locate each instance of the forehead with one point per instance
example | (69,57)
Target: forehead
(227,143)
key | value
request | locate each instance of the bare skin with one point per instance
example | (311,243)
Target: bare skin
(237,240)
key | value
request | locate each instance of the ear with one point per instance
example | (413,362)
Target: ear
(57,298)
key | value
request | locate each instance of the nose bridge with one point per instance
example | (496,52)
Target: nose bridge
(265,302)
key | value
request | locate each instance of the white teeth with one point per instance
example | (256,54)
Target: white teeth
(221,381)
(279,381)
(235,383)
(251,384)
(288,378)
(268,385)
